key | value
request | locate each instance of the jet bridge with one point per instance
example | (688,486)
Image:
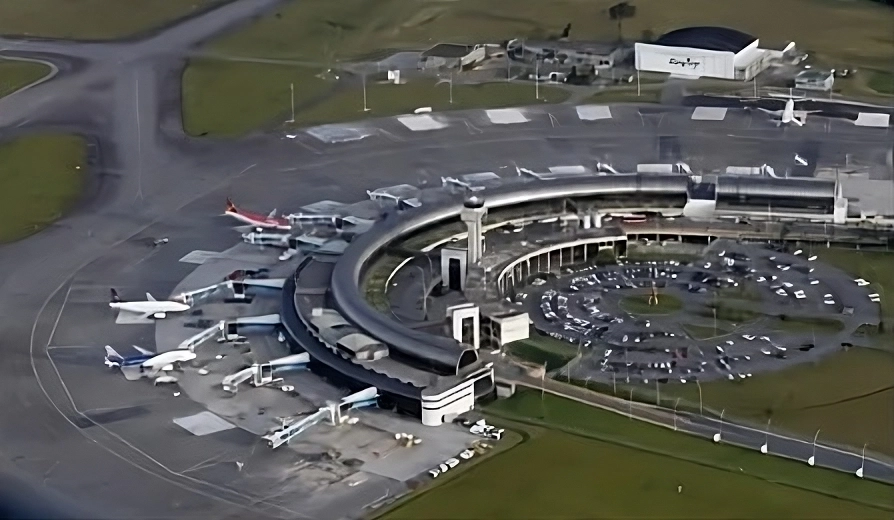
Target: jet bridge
(230,328)
(202,337)
(451,182)
(190,297)
(332,411)
(302,219)
(262,374)
(399,201)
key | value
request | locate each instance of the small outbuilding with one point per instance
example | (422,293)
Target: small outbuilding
(815,79)
(713,52)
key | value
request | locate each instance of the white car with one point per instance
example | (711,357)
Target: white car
(814,281)
(829,302)
(861,282)
(749,337)
(761,279)
(452,462)
(812,258)
(781,292)
(466,454)
(787,285)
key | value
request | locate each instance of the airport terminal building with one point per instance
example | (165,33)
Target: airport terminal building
(711,52)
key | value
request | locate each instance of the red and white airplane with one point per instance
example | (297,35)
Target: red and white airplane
(257,220)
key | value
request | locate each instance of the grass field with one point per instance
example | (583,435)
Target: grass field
(540,350)
(882,82)
(387,99)
(16,74)
(589,463)
(848,395)
(91,19)
(229,98)
(40,178)
(638,304)
(850,32)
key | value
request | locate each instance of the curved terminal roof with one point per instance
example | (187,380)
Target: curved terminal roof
(446,353)
(735,186)
(708,38)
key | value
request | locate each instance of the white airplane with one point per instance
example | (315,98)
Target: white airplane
(147,364)
(800,160)
(151,308)
(787,115)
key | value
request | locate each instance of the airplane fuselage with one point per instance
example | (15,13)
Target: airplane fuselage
(150,308)
(260,221)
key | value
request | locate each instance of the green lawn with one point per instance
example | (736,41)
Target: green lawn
(848,395)
(40,178)
(91,19)
(15,74)
(882,82)
(638,304)
(701,332)
(372,284)
(230,98)
(539,350)
(595,464)
(323,30)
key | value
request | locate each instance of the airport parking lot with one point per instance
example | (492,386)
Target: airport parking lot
(737,310)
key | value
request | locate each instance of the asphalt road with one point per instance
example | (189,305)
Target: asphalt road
(150,180)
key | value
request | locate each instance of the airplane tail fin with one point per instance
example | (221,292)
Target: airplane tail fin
(112,356)
(231,208)
(115,297)
(150,298)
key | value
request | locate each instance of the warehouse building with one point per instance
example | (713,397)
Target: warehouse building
(711,52)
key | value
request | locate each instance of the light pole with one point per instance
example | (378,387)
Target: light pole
(701,409)
(657,394)
(542,381)
(630,409)
(449,84)
(537,78)
(365,107)
(765,446)
(675,413)
(862,463)
(719,434)
(812,460)
(587,383)
(614,385)
(292,91)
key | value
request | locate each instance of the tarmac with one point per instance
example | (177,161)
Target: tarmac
(64,412)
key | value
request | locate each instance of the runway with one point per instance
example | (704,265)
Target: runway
(149,180)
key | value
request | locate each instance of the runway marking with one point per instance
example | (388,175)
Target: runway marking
(169,478)
(67,347)
(474,130)
(59,316)
(553,121)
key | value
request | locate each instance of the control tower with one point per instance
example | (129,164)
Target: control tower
(472,214)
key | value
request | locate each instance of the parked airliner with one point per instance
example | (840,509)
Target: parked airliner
(787,115)
(147,364)
(151,308)
(257,220)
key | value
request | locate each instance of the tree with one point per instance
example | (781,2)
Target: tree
(620,12)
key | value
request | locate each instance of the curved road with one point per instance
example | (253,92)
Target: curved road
(149,177)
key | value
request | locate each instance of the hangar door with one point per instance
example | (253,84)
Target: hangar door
(684,60)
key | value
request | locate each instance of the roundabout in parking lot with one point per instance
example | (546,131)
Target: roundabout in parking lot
(732,310)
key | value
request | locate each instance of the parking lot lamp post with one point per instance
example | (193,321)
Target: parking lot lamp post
(657,394)
(630,410)
(537,79)
(701,409)
(719,434)
(812,460)
(365,107)
(675,413)
(766,446)
(862,463)
(614,384)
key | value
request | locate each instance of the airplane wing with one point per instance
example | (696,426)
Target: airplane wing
(143,351)
(149,298)
(771,112)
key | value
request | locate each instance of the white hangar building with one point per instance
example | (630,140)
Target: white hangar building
(711,52)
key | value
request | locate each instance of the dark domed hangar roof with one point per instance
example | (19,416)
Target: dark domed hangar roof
(707,38)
